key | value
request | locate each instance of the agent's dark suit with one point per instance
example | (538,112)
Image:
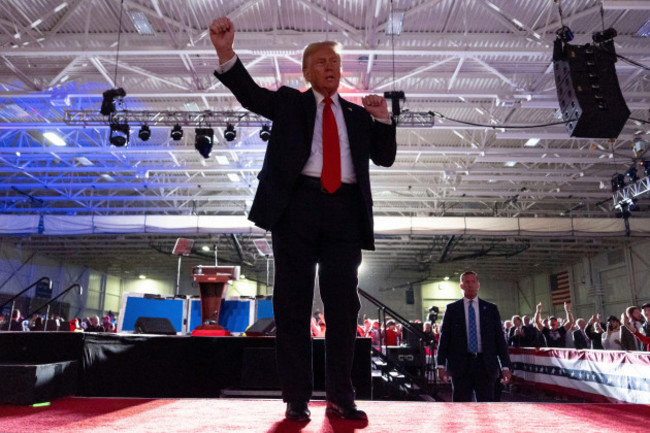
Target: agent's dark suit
(467,372)
(310,226)
(580,341)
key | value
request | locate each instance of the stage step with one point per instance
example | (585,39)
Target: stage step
(26,383)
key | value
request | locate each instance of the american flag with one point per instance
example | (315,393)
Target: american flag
(560,291)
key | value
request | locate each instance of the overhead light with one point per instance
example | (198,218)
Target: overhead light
(36,23)
(510,163)
(59,7)
(205,248)
(18,154)
(119,135)
(222,159)
(107,177)
(618,182)
(234,177)
(144,133)
(54,138)
(111,96)
(395,23)
(646,167)
(82,160)
(631,174)
(446,278)
(265,133)
(177,132)
(203,141)
(230,133)
(531,142)
(141,22)
(142,277)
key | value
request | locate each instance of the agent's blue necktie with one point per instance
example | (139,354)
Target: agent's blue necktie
(472,339)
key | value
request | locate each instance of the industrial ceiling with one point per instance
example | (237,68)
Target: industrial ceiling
(485,66)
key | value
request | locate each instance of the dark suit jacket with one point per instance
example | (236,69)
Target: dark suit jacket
(452,349)
(579,340)
(293,114)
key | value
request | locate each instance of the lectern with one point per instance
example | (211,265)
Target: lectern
(213,282)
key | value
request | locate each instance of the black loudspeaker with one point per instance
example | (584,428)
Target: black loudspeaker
(154,325)
(588,91)
(262,327)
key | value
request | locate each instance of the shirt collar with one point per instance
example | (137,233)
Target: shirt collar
(320,97)
(466,300)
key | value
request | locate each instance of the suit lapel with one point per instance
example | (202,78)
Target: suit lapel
(482,318)
(309,104)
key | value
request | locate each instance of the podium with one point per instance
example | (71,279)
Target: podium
(213,282)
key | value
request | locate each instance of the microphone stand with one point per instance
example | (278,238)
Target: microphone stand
(13,300)
(47,314)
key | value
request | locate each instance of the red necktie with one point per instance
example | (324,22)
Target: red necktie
(330,177)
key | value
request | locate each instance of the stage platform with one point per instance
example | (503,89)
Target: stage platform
(157,366)
(83,415)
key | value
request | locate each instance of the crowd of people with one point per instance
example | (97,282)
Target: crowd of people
(38,322)
(629,331)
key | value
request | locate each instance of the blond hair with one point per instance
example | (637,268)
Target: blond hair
(315,46)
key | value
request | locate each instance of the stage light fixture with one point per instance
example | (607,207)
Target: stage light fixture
(110,97)
(618,182)
(203,141)
(631,174)
(144,133)
(230,133)
(646,167)
(119,136)
(265,133)
(177,132)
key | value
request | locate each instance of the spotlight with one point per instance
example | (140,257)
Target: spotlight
(144,133)
(618,182)
(203,141)
(646,167)
(265,133)
(108,104)
(119,136)
(631,174)
(177,132)
(230,132)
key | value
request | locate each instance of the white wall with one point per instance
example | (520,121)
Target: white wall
(606,283)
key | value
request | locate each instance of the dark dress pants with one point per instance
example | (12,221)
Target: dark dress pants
(321,229)
(474,379)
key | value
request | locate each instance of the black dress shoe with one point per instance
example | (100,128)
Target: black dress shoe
(297,411)
(346,412)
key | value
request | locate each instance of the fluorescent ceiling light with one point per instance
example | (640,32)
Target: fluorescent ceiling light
(532,142)
(141,23)
(510,163)
(54,139)
(108,177)
(233,177)
(36,23)
(394,24)
(142,277)
(222,159)
(205,248)
(61,6)
(83,161)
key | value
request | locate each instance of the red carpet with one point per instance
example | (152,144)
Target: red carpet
(85,415)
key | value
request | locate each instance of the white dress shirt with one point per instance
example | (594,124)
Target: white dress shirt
(314,165)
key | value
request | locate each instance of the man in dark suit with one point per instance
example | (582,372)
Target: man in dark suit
(580,338)
(314,196)
(472,348)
